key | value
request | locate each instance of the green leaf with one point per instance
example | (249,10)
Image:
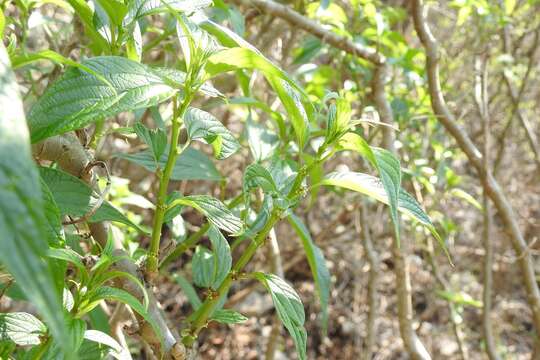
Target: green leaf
(140,8)
(196,44)
(287,90)
(289,309)
(115,10)
(74,197)
(156,139)
(227,316)
(386,164)
(222,256)
(317,264)
(21,328)
(217,213)
(118,352)
(76,327)
(203,267)
(79,98)
(2,24)
(23,224)
(85,13)
(188,290)
(257,175)
(372,187)
(202,125)
(191,164)
(52,213)
(339,116)
(109,293)
(262,141)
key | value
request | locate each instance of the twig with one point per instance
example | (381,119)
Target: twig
(481,96)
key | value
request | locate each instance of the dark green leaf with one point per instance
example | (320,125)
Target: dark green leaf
(74,197)
(222,256)
(79,98)
(23,224)
(188,290)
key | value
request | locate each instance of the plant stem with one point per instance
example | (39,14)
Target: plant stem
(200,317)
(193,238)
(153,253)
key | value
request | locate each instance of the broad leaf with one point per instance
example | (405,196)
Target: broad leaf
(203,126)
(21,328)
(317,264)
(191,164)
(227,316)
(256,176)
(74,197)
(156,139)
(23,224)
(262,141)
(196,44)
(372,187)
(203,264)
(222,256)
(289,309)
(217,213)
(288,91)
(118,352)
(79,98)
(386,164)
(109,293)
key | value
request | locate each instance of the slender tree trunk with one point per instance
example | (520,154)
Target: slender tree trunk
(489,183)
(481,100)
(400,251)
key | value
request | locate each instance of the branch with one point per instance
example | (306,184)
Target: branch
(447,119)
(516,95)
(292,17)
(71,156)
(481,100)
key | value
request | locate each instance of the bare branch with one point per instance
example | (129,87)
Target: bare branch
(447,119)
(284,12)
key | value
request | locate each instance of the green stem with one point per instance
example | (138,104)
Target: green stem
(200,317)
(193,238)
(153,253)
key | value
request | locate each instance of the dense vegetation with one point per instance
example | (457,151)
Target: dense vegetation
(369,169)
